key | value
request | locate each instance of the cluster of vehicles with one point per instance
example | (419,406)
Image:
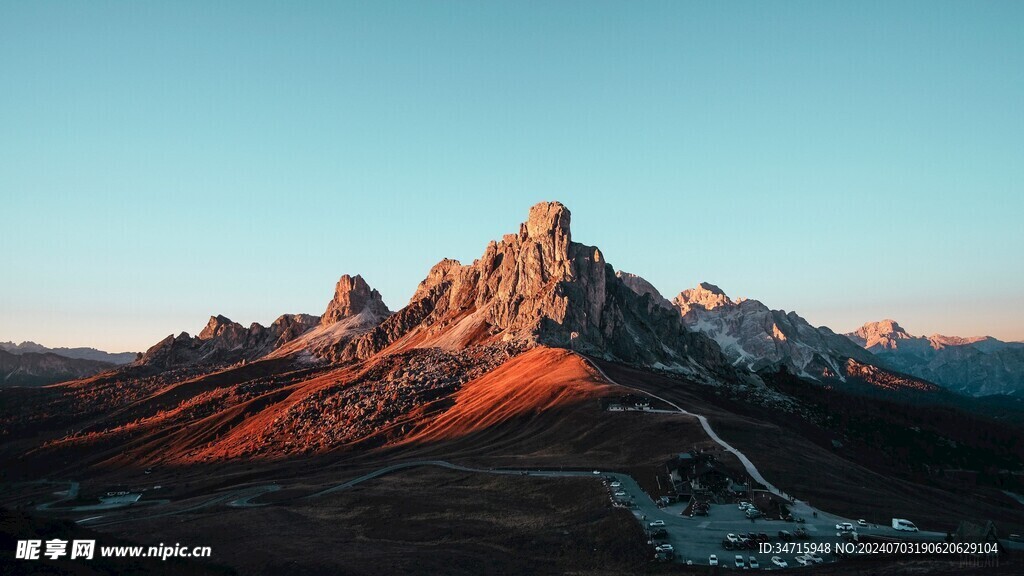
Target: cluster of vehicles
(657,531)
(750,510)
(798,534)
(751,562)
(619,495)
(741,541)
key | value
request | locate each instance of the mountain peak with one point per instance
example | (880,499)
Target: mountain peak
(705,295)
(352,295)
(881,335)
(887,327)
(540,287)
(548,220)
(216,326)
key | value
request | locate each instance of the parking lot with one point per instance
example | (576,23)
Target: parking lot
(696,538)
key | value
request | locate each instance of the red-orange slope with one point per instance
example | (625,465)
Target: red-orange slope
(537,381)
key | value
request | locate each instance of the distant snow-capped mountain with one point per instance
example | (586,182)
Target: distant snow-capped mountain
(977,366)
(755,337)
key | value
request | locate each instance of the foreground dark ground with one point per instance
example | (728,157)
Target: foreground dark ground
(429,520)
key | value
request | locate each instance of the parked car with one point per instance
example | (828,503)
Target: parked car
(785,535)
(657,524)
(863,522)
(814,558)
(904,525)
(616,484)
(713,560)
(779,562)
(739,561)
(752,561)
(844,527)
(753,513)
(802,534)
(802,560)
(732,538)
(664,548)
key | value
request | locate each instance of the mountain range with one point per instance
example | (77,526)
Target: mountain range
(978,366)
(512,361)
(40,368)
(538,287)
(31,364)
(76,353)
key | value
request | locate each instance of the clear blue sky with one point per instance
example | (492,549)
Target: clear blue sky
(164,161)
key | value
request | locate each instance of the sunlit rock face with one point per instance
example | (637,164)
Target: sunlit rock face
(352,296)
(540,287)
(753,336)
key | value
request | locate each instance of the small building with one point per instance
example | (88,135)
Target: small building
(708,477)
(737,488)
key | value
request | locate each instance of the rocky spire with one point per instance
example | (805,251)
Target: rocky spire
(352,296)
(217,326)
(548,225)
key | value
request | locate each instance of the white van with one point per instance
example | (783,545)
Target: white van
(904,525)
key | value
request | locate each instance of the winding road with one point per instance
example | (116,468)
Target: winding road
(747,464)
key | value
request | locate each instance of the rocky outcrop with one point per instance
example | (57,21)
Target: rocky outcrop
(352,296)
(355,309)
(977,366)
(758,338)
(225,342)
(540,287)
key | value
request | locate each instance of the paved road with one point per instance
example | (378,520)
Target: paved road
(747,464)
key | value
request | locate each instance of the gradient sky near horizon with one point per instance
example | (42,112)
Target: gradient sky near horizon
(164,161)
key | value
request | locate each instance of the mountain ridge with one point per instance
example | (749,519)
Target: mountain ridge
(976,366)
(79,353)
